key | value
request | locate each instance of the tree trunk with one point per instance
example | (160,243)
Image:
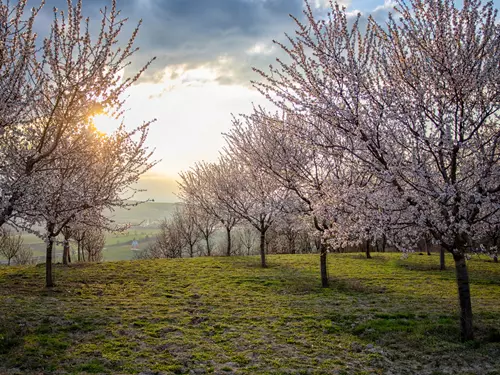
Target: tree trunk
(228,251)
(291,245)
(323,265)
(49,282)
(495,258)
(442,265)
(8,261)
(466,331)
(209,251)
(426,247)
(263,248)
(66,252)
(368,255)
(79,250)
(191,252)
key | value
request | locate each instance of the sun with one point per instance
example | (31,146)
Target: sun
(105,123)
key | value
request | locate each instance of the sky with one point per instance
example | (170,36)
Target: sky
(205,51)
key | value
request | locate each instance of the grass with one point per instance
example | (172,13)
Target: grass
(228,316)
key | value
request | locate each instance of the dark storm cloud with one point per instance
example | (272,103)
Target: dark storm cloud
(198,32)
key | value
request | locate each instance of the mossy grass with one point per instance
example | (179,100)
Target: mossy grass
(229,316)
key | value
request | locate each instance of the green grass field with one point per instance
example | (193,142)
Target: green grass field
(228,316)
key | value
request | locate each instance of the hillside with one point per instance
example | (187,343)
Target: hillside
(146,215)
(228,316)
(143,213)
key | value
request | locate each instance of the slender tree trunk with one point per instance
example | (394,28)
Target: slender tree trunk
(323,264)
(49,282)
(228,251)
(442,265)
(191,251)
(427,247)
(209,251)
(368,255)
(384,243)
(8,261)
(78,250)
(65,252)
(466,330)
(263,248)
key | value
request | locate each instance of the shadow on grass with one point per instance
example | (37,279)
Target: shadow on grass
(355,286)
(477,276)
(38,335)
(40,326)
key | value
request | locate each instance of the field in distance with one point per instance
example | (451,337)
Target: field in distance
(144,218)
(227,315)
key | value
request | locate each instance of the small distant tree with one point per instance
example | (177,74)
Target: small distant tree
(93,244)
(11,245)
(198,186)
(24,256)
(248,238)
(168,242)
(206,225)
(143,254)
(184,223)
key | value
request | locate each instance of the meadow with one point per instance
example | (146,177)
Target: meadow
(226,315)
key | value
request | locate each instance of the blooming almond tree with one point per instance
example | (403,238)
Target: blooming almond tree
(320,178)
(89,173)
(249,193)
(418,99)
(81,76)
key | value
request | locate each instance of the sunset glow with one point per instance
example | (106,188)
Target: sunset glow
(105,123)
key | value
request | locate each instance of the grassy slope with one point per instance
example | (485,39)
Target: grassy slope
(228,316)
(144,211)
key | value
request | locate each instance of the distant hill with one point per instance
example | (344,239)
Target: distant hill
(146,213)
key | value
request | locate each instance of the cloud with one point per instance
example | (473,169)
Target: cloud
(194,34)
(198,33)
